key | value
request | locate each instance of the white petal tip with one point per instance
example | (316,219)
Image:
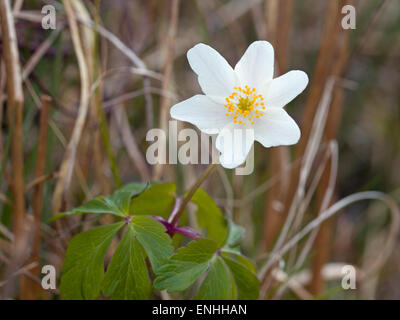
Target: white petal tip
(264,43)
(173,112)
(302,79)
(192,50)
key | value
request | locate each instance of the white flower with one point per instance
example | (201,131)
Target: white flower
(242,98)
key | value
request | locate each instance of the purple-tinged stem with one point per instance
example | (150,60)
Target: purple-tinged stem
(128,219)
(171,230)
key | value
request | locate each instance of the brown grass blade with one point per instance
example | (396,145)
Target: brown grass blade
(15,102)
(277,13)
(32,290)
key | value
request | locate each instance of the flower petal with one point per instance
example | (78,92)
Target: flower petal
(203,112)
(280,91)
(276,128)
(216,76)
(234,143)
(256,67)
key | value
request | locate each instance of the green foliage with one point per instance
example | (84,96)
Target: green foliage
(157,200)
(97,205)
(127,276)
(210,217)
(225,273)
(244,275)
(120,199)
(151,235)
(186,265)
(83,268)
(218,283)
(235,234)
(117,204)
(229,275)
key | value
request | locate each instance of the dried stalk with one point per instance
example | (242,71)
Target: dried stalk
(131,56)
(40,180)
(68,162)
(165,101)
(329,36)
(307,161)
(191,35)
(130,143)
(279,157)
(271,17)
(44,46)
(32,289)
(98,116)
(331,156)
(337,207)
(323,239)
(15,102)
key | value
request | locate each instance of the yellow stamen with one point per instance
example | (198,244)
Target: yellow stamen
(244,103)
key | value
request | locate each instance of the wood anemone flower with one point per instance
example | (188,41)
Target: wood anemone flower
(241,100)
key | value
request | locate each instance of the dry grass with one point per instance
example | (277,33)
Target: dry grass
(112,70)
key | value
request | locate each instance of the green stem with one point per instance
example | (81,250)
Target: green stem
(175,219)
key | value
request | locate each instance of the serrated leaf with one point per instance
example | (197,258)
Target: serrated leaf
(229,275)
(242,260)
(83,268)
(184,267)
(244,276)
(177,276)
(96,205)
(153,237)
(218,283)
(127,277)
(157,200)
(116,204)
(199,250)
(210,217)
(121,198)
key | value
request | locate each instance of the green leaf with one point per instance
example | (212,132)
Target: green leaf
(153,237)
(230,275)
(210,217)
(244,275)
(116,204)
(177,276)
(157,200)
(127,277)
(83,268)
(234,238)
(96,205)
(218,284)
(184,267)
(121,198)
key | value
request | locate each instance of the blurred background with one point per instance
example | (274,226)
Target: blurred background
(75,115)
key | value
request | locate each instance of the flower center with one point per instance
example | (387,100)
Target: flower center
(244,105)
